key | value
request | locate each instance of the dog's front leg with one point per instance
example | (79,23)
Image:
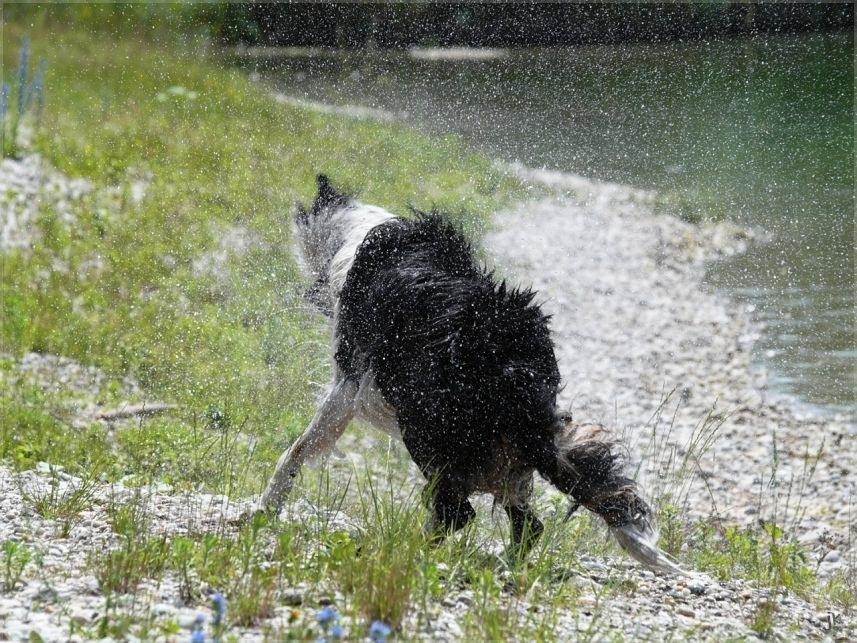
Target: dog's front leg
(326,427)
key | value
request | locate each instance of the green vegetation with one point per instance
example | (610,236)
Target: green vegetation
(129,287)
(764,619)
(63,501)
(385,575)
(14,558)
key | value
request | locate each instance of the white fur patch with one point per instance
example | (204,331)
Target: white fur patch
(371,407)
(350,225)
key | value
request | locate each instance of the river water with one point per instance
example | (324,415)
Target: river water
(760,131)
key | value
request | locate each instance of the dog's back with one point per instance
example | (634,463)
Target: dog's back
(467,364)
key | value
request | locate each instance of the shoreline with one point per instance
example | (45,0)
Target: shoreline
(795,385)
(632,322)
(744,239)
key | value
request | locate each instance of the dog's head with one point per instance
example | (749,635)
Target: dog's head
(315,229)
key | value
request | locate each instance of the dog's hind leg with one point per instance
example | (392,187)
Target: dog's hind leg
(450,510)
(526,528)
(329,423)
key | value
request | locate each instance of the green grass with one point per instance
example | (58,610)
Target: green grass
(230,158)
(14,558)
(63,501)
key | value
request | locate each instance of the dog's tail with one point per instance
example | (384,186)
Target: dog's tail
(587,465)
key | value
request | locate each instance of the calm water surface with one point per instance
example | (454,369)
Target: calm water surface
(759,131)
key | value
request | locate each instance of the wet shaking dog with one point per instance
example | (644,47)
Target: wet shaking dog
(428,347)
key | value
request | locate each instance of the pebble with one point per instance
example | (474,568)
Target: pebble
(697,588)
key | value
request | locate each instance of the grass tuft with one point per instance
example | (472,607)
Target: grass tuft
(14,558)
(62,500)
(764,618)
(380,568)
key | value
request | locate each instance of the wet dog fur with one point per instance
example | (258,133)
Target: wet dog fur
(429,347)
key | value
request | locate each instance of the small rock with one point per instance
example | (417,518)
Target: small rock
(697,588)
(293,598)
(81,616)
(163,609)
(833,556)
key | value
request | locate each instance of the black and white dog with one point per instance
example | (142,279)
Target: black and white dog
(429,348)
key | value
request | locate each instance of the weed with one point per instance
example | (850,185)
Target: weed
(116,624)
(763,555)
(181,560)
(842,589)
(63,499)
(254,596)
(380,568)
(138,556)
(236,567)
(16,557)
(122,569)
(764,618)
(553,557)
(672,528)
(291,550)
(489,619)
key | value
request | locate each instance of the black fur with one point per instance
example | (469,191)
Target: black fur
(328,197)
(468,364)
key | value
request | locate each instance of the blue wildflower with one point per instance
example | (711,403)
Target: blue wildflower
(379,631)
(4,101)
(23,67)
(327,616)
(38,89)
(218,604)
(198,634)
(337,632)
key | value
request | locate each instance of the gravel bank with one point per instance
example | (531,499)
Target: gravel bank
(26,186)
(633,322)
(59,594)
